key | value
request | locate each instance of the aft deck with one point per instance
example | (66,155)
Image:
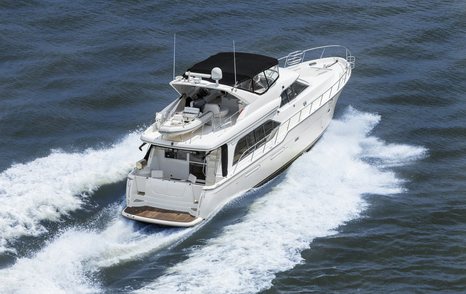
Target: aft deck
(160,214)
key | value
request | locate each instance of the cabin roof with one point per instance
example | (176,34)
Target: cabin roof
(247,66)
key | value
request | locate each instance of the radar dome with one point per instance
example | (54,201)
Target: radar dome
(216,74)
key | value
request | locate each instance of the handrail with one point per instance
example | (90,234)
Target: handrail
(246,152)
(297,57)
(339,85)
(217,123)
(224,122)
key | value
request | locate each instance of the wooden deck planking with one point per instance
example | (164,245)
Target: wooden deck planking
(161,214)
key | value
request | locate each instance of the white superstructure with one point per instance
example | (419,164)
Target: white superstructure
(239,120)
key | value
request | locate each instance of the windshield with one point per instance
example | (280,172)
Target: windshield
(261,82)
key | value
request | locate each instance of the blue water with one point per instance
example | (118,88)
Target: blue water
(378,205)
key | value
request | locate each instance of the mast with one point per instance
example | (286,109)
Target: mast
(174,53)
(234,61)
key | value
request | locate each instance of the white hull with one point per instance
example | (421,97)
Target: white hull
(168,193)
(297,141)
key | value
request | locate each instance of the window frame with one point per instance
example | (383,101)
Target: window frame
(292,89)
(245,141)
(250,82)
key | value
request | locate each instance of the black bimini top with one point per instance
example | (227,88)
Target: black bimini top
(247,66)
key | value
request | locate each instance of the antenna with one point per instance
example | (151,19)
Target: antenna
(234,61)
(174,52)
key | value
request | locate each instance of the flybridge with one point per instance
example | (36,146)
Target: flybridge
(245,71)
(248,65)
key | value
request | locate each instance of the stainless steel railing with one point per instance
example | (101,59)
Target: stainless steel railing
(251,150)
(297,118)
(220,123)
(299,56)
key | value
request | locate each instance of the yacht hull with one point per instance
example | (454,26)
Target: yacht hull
(278,114)
(298,140)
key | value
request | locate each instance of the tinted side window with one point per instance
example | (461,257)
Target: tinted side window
(298,88)
(291,92)
(259,133)
(197,164)
(284,98)
(241,147)
(176,154)
(269,127)
(257,138)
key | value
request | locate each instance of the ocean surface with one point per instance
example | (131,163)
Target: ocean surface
(377,206)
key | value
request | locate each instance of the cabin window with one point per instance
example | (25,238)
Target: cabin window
(224,155)
(292,92)
(176,154)
(197,164)
(254,139)
(177,164)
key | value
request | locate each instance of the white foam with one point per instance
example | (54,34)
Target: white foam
(321,191)
(50,187)
(67,263)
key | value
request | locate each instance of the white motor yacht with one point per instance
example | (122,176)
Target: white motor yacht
(239,120)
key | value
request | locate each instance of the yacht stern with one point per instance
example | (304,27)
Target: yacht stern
(161,216)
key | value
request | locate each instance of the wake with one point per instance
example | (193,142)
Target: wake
(67,263)
(50,187)
(321,191)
